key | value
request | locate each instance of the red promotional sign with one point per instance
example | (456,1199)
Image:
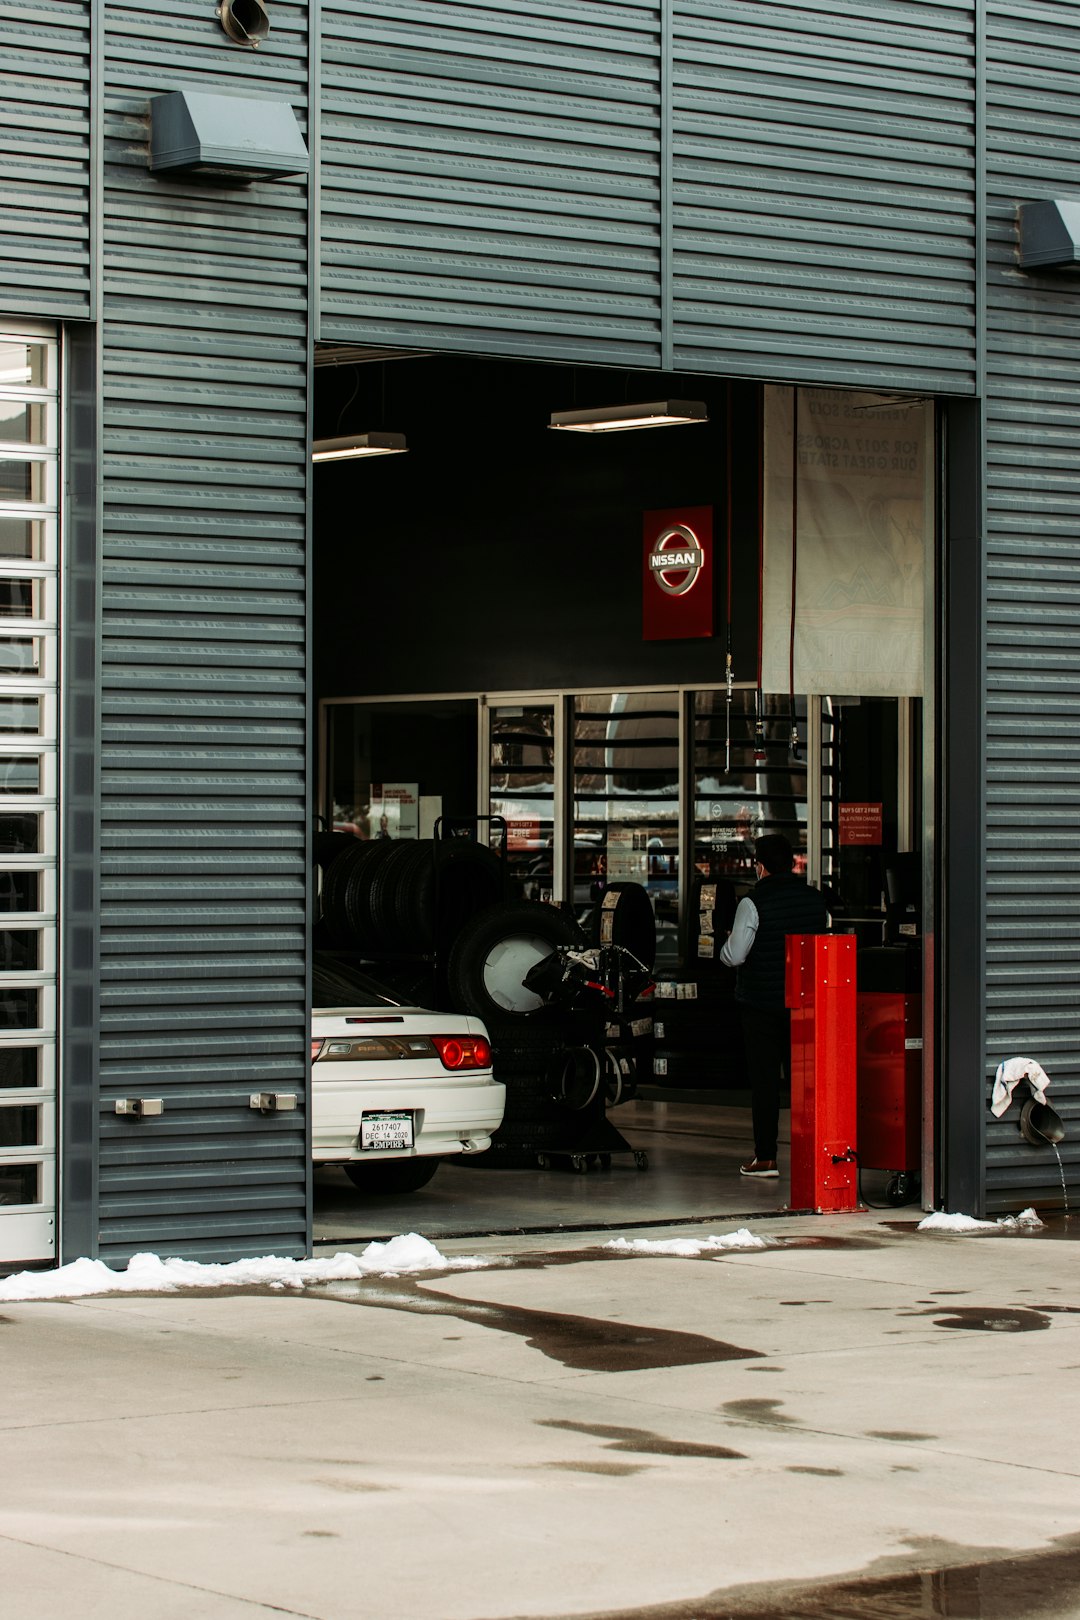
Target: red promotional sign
(859,824)
(677,574)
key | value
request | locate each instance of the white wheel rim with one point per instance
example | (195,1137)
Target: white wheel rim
(505,967)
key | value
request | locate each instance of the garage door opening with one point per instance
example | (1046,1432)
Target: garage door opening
(483,673)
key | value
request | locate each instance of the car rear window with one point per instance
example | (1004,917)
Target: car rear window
(335,985)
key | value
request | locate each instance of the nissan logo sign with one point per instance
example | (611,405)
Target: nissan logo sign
(676,559)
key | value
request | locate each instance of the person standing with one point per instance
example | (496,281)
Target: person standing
(780,904)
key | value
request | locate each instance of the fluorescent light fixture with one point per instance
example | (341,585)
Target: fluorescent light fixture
(617,418)
(358,444)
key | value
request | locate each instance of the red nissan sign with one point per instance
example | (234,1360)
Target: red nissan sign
(859,824)
(677,574)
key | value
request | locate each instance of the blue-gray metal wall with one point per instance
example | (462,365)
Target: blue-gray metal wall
(774,190)
(45,168)
(204,765)
(751,189)
(1032,592)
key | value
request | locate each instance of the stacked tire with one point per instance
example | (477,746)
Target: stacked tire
(405,897)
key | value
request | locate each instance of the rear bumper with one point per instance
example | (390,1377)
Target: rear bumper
(451,1117)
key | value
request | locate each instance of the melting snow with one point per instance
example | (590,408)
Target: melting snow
(689,1248)
(149,1274)
(939,1222)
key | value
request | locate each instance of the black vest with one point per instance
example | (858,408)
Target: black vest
(785,905)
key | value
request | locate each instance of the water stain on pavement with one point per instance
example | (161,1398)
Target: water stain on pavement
(757,1411)
(613,1469)
(584,1343)
(948,1583)
(975,1319)
(642,1441)
(898,1434)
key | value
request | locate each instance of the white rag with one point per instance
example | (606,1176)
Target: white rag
(1008,1077)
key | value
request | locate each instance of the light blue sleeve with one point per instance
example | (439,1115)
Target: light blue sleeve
(737,946)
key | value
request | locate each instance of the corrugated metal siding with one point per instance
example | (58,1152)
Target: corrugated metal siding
(45,159)
(490,177)
(204,763)
(824,191)
(1033,615)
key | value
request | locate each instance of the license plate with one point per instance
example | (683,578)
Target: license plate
(386,1131)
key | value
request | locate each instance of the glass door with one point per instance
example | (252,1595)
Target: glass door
(626,803)
(522,762)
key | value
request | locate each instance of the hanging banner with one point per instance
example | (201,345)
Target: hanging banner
(864,521)
(677,578)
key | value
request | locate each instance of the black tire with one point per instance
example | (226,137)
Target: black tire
(385,880)
(620,1076)
(444,885)
(495,950)
(329,845)
(359,887)
(624,916)
(392,1175)
(580,1077)
(336,881)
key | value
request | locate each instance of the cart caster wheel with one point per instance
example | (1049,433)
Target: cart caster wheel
(579,1163)
(899,1190)
(592,1160)
(641,1160)
(604,1160)
(542,1160)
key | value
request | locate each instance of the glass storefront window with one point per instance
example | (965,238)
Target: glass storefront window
(761,790)
(20,1007)
(20,1127)
(522,790)
(17,597)
(626,802)
(23,364)
(20,655)
(20,891)
(20,1183)
(394,768)
(20,773)
(22,422)
(19,1066)
(20,714)
(21,537)
(20,834)
(22,480)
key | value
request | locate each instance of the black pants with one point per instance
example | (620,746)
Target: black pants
(767,1034)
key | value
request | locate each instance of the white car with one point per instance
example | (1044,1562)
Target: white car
(395,1089)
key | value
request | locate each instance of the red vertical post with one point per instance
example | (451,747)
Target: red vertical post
(821,996)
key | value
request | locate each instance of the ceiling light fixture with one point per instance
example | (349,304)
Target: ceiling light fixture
(358,444)
(618,418)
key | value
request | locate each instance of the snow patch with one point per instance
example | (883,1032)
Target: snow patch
(688,1248)
(940,1222)
(149,1274)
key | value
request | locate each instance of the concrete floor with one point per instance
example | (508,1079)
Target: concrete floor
(847,1422)
(694,1151)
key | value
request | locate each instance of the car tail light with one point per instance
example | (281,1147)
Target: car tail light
(462,1051)
(316,1048)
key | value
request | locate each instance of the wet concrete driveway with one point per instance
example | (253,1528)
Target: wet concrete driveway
(857,1420)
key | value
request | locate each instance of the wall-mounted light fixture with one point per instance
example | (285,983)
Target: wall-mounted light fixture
(224,137)
(358,444)
(619,418)
(1049,235)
